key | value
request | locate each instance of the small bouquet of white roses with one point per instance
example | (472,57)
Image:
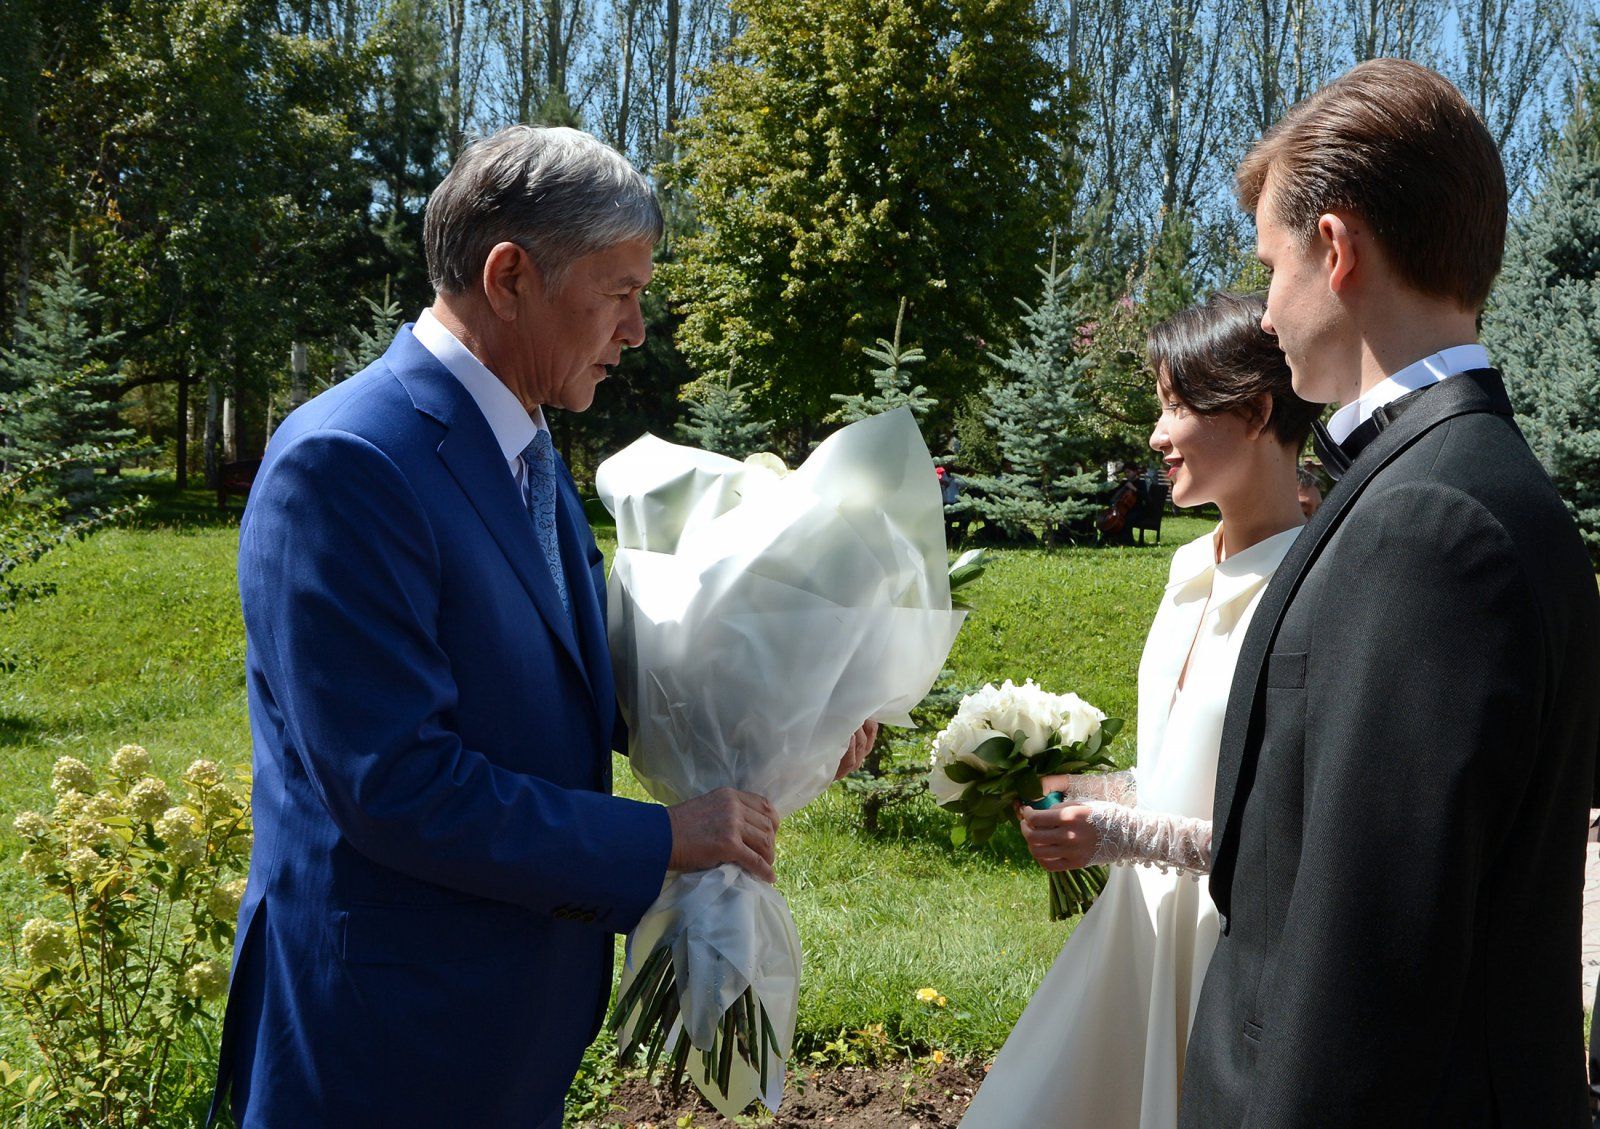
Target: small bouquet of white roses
(995,751)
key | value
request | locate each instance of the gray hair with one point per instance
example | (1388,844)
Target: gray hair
(558,193)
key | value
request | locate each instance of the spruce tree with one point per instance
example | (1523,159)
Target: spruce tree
(383,321)
(1041,423)
(892,382)
(1543,326)
(65,420)
(722,420)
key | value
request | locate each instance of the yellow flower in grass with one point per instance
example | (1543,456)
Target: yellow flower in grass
(931,996)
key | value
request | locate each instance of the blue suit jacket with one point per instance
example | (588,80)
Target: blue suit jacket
(438,864)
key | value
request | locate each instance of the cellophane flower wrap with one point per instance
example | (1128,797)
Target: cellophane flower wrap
(756,620)
(1000,743)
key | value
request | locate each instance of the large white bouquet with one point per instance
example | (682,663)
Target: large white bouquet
(756,619)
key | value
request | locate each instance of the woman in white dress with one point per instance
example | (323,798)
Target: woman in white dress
(1101,1044)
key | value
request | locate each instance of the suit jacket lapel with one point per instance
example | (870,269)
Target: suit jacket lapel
(472,456)
(1478,391)
(588,615)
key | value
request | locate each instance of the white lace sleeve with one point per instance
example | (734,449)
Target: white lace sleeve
(1161,839)
(1110,787)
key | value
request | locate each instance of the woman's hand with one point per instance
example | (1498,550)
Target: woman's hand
(1060,783)
(1059,838)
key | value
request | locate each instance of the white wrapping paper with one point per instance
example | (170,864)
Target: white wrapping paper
(755,622)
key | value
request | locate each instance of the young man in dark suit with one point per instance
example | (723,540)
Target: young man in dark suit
(1409,753)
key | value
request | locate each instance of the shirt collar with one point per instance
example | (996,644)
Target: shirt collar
(513,427)
(1430,370)
(1222,582)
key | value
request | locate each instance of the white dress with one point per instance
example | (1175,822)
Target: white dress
(1102,1042)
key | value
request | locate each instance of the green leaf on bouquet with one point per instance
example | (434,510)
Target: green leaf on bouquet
(963,773)
(1030,788)
(958,835)
(996,750)
(1109,728)
(968,567)
(983,828)
(1091,745)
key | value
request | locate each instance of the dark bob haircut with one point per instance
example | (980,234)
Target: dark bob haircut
(1216,358)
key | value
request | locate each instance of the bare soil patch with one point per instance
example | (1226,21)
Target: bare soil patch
(903,1097)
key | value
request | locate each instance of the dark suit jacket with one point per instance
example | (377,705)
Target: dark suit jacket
(426,937)
(1402,793)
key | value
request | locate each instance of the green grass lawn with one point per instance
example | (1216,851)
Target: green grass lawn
(142,642)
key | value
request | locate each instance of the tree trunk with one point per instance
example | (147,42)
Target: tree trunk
(183,431)
(625,94)
(213,431)
(230,429)
(456,14)
(674,20)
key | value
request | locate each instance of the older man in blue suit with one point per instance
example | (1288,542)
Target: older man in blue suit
(439,865)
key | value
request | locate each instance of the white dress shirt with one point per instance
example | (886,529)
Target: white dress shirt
(513,427)
(1430,370)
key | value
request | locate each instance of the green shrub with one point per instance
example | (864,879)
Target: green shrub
(143,892)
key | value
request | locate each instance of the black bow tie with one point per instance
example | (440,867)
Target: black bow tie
(1337,457)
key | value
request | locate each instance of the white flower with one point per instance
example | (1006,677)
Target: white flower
(943,788)
(70,775)
(206,980)
(1078,719)
(45,942)
(204,775)
(82,864)
(31,825)
(1026,710)
(130,762)
(223,901)
(149,798)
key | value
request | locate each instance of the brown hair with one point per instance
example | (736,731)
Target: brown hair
(1216,358)
(1396,144)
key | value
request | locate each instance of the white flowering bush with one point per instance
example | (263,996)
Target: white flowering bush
(994,753)
(143,887)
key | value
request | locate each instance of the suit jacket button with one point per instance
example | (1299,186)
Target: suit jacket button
(588,915)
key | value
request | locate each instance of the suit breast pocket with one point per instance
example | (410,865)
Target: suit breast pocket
(1287,670)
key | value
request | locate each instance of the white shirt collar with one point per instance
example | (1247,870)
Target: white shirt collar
(513,427)
(1430,370)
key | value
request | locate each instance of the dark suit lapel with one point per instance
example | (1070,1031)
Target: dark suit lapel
(1478,391)
(472,455)
(587,612)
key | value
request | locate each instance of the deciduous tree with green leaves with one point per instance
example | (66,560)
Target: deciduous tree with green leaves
(847,153)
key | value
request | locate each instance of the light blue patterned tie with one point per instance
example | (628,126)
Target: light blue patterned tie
(539,494)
